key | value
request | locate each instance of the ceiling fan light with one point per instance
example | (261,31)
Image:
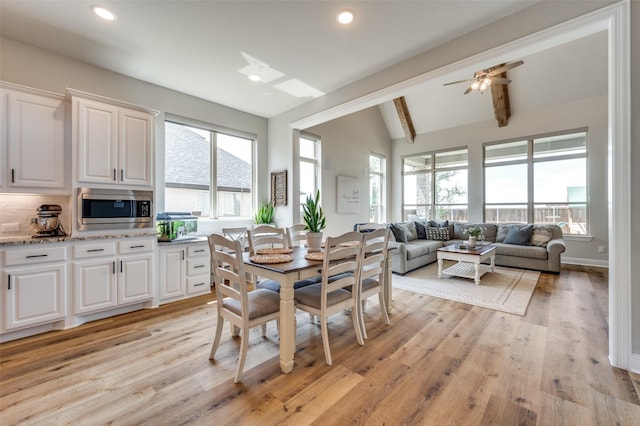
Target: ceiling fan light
(475,85)
(487,82)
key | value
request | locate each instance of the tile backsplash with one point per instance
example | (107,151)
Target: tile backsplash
(20,208)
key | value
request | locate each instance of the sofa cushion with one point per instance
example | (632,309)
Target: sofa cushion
(419,248)
(519,235)
(398,233)
(531,252)
(437,233)
(542,234)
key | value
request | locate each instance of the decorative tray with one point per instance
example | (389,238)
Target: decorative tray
(281,250)
(271,258)
(316,255)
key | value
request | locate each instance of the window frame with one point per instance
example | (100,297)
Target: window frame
(214,131)
(432,206)
(530,161)
(382,175)
(309,160)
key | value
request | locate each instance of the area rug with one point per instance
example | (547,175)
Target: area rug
(506,289)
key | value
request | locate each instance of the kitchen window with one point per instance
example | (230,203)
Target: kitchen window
(198,159)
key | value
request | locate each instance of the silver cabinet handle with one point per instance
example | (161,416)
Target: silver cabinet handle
(139,246)
(94,250)
(199,266)
(114,267)
(198,285)
(36,255)
(114,175)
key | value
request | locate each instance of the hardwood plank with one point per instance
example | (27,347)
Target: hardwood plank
(439,362)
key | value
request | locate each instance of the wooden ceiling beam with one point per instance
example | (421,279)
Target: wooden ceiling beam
(405,119)
(500,96)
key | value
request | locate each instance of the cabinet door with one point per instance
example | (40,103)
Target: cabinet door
(95,285)
(34,295)
(96,132)
(172,273)
(35,141)
(135,278)
(135,147)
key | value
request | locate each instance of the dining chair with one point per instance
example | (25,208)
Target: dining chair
(297,235)
(238,233)
(368,227)
(338,289)
(267,236)
(242,308)
(372,273)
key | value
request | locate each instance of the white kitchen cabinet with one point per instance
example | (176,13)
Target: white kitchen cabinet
(35,286)
(185,271)
(32,155)
(109,274)
(113,143)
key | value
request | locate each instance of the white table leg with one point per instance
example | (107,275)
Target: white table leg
(287,324)
(476,268)
(439,267)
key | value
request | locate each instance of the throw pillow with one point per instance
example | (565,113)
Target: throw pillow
(437,233)
(519,236)
(502,231)
(398,233)
(409,229)
(541,235)
(443,224)
(420,229)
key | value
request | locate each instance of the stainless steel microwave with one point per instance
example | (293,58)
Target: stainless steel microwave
(114,209)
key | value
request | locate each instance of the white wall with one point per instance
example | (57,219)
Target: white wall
(591,113)
(346,145)
(635,174)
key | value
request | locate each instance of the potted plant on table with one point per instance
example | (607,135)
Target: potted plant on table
(264,215)
(474,232)
(314,221)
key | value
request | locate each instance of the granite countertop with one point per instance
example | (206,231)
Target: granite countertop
(27,240)
(189,241)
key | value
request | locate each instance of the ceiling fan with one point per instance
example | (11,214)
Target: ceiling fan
(483,79)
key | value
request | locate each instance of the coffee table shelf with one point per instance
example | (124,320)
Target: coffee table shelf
(469,262)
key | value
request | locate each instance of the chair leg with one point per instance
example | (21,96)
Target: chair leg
(385,316)
(216,340)
(325,340)
(244,343)
(356,316)
(235,331)
(360,315)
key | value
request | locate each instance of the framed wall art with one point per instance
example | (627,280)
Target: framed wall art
(348,195)
(279,188)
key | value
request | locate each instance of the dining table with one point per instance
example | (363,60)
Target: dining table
(287,273)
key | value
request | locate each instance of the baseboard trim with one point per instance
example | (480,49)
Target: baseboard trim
(585,262)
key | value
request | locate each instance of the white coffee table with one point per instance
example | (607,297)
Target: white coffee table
(469,261)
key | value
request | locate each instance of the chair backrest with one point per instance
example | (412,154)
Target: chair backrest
(267,236)
(297,234)
(342,257)
(375,252)
(233,234)
(226,259)
(370,226)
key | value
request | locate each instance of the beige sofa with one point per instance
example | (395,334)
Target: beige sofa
(540,255)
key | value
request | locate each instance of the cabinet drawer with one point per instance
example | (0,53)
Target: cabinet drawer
(198,266)
(83,251)
(125,247)
(34,255)
(194,250)
(199,284)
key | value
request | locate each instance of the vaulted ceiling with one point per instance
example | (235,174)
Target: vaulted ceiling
(208,48)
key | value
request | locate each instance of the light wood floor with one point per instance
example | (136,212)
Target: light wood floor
(439,363)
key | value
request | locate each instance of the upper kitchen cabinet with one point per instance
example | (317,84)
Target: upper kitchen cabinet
(32,153)
(112,142)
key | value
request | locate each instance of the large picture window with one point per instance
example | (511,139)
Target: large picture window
(309,167)
(435,185)
(538,180)
(197,160)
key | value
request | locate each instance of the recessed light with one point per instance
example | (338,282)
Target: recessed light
(254,77)
(345,16)
(104,13)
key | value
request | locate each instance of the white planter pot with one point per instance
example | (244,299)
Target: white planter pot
(314,241)
(472,241)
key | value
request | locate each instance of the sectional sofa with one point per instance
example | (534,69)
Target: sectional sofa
(528,246)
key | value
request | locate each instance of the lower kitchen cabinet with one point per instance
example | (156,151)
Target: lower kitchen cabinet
(35,287)
(184,270)
(112,274)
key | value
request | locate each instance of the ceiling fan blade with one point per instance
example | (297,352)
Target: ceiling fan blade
(500,80)
(504,68)
(456,82)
